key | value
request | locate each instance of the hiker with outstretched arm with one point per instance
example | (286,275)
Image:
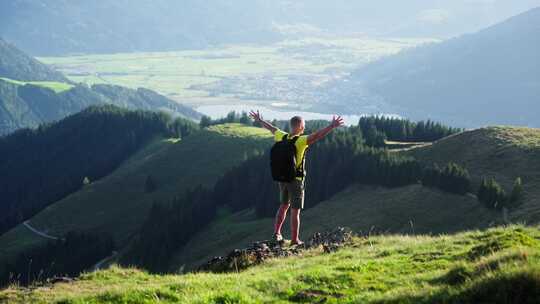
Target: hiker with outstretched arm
(288,157)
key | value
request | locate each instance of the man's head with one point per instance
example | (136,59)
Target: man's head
(297,125)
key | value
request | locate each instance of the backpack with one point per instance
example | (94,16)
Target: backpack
(283,160)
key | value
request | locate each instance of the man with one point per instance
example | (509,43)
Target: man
(292,194)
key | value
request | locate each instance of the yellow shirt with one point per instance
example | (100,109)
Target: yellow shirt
(301,146)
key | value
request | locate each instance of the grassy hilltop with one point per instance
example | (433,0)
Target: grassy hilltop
(502,152)
(499,265)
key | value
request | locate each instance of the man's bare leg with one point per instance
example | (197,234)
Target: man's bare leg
(280,218)
(295,226)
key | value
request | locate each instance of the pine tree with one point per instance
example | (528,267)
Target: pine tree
(492,195)
(517,191)
(205,121)
(149,184)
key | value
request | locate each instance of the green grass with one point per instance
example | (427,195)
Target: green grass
(376,269)
(118,204)
(57,87)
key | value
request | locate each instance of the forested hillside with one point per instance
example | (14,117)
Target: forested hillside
(116,205)
(32,93)
(341,160)
(374,205)
(24,105)
(490,77)
(40,166)
(183,204)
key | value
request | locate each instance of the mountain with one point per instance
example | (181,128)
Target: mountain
(118,203)
(31,93)
(106,27)
(123,205)
(28,104)
(59,27)
(504,153)
(498,265)
(17,65)
(490,77)
(57,158)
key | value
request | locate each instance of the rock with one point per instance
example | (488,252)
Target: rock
(240,259)
(55,280)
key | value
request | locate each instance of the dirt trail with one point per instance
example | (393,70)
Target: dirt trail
(40,233)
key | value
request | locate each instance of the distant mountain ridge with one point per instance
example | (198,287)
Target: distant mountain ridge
(59,27)
(40,166)
(23,106)
(490,77)
(32,93)
(15,64)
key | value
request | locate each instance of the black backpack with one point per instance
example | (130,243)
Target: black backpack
(283,160)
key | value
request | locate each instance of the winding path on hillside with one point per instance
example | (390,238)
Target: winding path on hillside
(40,233)
(99,264)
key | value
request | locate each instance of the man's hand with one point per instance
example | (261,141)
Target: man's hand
(255,115)
(336,122)
(258,118)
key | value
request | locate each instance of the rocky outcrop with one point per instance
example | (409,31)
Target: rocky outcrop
(258,252)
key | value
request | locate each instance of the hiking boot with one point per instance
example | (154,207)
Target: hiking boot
(297,243)
(277,238)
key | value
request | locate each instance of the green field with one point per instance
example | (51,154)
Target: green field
(177,74)
(117,204)
(495,266)
(57,87)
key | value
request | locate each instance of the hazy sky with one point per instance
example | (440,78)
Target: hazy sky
(405,17)
(72,26)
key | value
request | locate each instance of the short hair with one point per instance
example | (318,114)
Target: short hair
(296,121)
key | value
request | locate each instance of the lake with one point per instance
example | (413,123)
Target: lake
(219,111)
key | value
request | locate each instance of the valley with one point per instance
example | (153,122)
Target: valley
(285,76)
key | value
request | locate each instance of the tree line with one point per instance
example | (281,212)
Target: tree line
(41,166)
(375,129)
(399,129)
(231,117)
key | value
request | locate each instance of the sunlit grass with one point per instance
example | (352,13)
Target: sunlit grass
(389,269)
(57,87)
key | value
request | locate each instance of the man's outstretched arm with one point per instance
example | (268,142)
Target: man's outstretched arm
(314,137)
(258,118)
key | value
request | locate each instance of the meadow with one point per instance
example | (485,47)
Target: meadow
(57,87)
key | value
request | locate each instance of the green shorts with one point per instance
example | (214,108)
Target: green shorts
(292,193)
